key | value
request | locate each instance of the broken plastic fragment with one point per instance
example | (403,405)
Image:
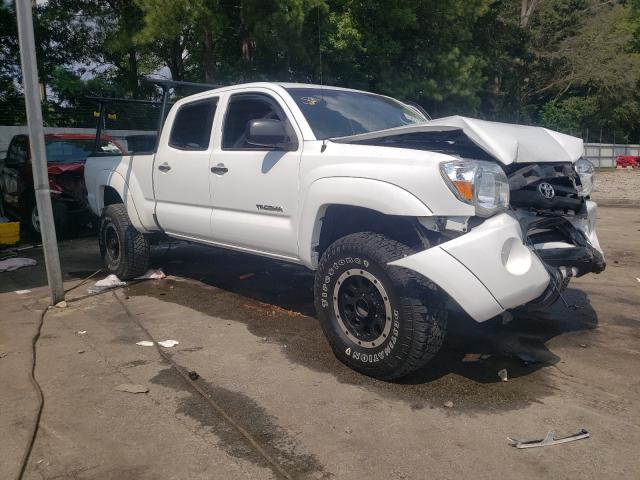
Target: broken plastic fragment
(81,332)
(472,357)
(111,281)
(152,274)
(168,343)
(145,343)
(22,292)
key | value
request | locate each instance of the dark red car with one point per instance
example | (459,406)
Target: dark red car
(66,155)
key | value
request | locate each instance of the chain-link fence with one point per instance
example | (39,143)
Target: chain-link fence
(124,122)
(603,155)
(134,125)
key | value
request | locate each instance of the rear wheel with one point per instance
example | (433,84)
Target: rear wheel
(380,320)
(124,250)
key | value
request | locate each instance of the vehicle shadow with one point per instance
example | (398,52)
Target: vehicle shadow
(520,346)
(275,301)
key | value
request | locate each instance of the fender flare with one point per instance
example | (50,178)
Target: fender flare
(383,197)
(113,179)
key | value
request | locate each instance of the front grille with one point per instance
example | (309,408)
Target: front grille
(545,187)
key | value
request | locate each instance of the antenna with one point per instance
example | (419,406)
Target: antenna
(319,46)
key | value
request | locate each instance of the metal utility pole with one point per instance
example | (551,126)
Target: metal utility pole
(38,152)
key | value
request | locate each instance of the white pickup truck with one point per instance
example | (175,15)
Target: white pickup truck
(397,214)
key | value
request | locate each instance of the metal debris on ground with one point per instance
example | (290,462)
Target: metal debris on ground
(11,264)
(583,345)
(548,440)
(168,343)
(145,343)
(111,281)
(246,276)
(62,304)
(503,375)
(22,292)
(81,332)
(448,404)
(152,274)
(80,351)
(131,388)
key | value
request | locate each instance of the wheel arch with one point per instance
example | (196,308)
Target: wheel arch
(335,206)
(111,187)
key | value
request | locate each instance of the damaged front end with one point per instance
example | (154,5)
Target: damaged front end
(534,225)
(551,202)
(67,185)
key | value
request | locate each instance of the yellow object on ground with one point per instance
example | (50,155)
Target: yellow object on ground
(9,233)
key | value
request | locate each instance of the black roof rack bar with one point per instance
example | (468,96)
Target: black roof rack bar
(166,85)
(122,100)
(175,83)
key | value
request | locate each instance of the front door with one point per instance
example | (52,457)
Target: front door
(255,189)
(15,176)
(181,171)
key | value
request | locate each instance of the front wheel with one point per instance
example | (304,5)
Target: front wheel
(60,219)
(380,320)
(124,250)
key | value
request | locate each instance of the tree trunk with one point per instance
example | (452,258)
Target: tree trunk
(208,57)
(526,9)
(133,73)
(174,60)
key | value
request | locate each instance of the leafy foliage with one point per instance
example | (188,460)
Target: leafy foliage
(571,65)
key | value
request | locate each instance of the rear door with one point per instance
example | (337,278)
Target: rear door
(255,189)
(181,170)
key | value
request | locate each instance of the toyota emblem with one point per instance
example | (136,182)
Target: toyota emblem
(546,190)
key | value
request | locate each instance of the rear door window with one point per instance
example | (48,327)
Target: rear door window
(192,125)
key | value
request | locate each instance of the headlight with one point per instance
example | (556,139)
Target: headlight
(478,183)
(585,170)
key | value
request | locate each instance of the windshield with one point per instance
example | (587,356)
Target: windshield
(75,150)
(338,113)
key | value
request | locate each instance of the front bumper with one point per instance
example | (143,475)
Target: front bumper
(493,268)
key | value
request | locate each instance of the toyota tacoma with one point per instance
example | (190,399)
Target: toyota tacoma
(397,214)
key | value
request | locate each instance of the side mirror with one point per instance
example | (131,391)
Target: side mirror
(269,133)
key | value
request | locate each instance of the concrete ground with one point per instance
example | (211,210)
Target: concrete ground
(245,326)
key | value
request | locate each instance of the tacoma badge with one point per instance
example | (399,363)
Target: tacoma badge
(269,208)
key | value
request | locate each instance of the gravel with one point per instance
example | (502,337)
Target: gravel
(617,187)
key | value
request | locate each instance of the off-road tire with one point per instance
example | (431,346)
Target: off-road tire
(132,259)
(417,306)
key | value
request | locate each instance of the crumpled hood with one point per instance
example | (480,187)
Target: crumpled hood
(505,142)
(58,168)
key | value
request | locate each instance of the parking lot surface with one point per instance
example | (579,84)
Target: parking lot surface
(246,326)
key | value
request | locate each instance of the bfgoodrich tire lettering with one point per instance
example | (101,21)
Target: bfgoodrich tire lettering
(407,312)
(124,250)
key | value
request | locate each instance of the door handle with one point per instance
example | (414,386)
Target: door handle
(219,169)
(165,167)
